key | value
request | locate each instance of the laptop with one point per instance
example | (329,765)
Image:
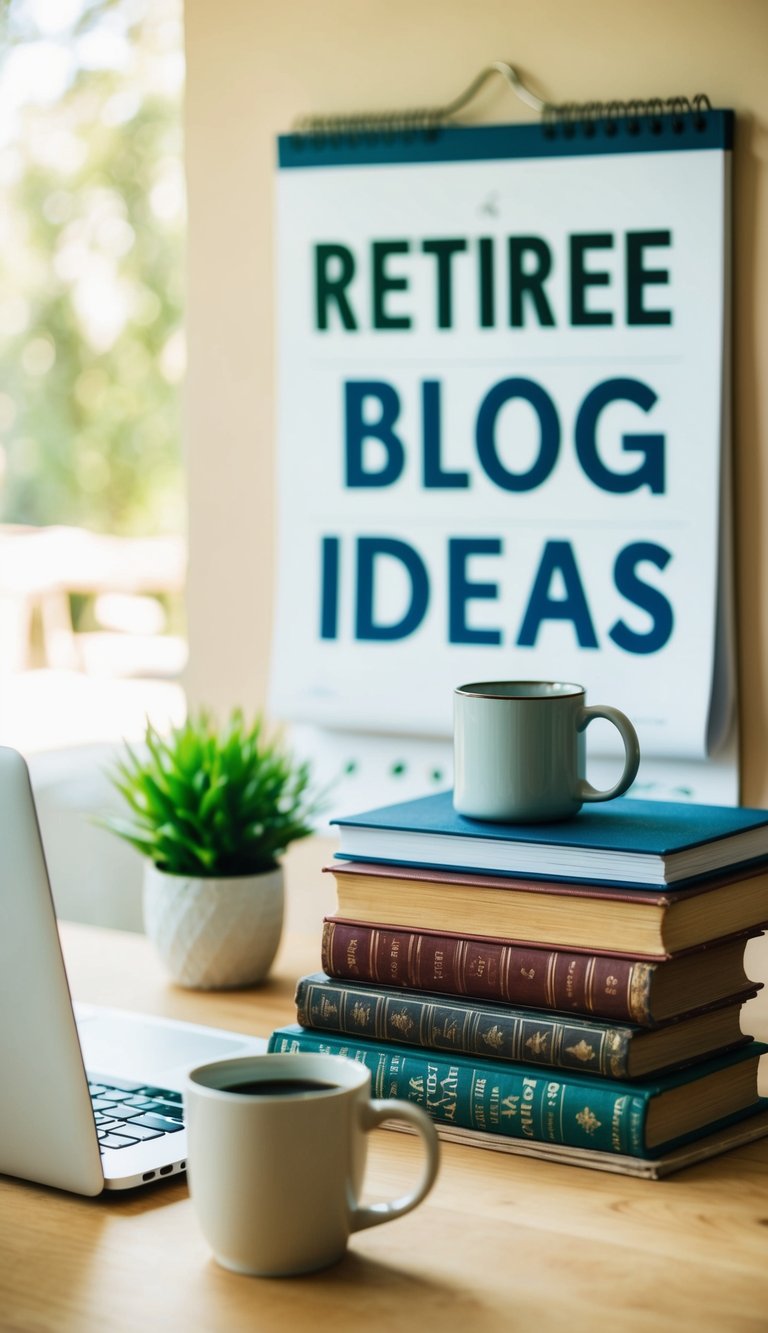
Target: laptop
(90,1098)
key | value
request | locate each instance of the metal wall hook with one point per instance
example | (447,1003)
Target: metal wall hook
(512,77)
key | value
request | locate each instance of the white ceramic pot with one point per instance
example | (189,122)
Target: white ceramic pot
(214,933)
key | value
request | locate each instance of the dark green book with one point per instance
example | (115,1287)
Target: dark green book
(517,1101)
(735,1132)
(501,1032)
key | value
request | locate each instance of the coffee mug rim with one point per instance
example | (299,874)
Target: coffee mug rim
(483,689)
(278,1064)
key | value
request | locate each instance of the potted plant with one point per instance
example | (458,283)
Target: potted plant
(212,809)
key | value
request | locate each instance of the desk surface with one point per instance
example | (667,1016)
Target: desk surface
(501,1243)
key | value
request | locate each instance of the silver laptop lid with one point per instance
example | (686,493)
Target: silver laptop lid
(47,1127)
(47,1131)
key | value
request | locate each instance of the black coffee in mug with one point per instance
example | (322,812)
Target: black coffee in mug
(278,1087)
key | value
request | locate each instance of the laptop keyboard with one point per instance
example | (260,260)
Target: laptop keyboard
(129,1113)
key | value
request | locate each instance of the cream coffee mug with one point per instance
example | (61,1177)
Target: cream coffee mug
(520,750)
(276,1158)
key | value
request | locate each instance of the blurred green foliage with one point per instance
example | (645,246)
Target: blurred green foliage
(91,264)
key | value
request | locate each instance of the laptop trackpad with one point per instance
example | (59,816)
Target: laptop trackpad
(145,1049)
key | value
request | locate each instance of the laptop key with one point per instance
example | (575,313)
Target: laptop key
(166,1095)
(139,1133)
(159,1108)
(173,1112)
(127,1114)
(160,1122)
(109,1140)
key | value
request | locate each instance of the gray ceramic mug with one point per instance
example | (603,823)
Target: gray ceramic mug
(277,1149)
(520,750)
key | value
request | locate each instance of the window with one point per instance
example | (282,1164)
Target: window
(91,364)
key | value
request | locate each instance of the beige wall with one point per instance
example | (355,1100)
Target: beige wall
(253,66)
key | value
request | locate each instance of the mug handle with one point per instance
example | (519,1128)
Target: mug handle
(373,1115)
(586,791)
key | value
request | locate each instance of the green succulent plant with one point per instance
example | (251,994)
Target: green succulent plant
(212,802)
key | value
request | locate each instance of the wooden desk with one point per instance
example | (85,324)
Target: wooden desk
(501,1243)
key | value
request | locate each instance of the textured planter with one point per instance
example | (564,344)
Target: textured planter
(214,933)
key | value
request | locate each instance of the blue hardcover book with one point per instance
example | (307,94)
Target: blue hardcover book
(645,844)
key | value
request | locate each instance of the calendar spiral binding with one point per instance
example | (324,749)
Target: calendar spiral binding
(634,116)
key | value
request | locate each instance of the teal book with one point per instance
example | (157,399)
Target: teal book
(502,1032)
(644,844)
(518,1102)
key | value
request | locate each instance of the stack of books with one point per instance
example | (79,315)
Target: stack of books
(572,991)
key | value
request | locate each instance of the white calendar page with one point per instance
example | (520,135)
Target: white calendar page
(502,405)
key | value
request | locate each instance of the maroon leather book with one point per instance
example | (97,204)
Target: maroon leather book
(615,987)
